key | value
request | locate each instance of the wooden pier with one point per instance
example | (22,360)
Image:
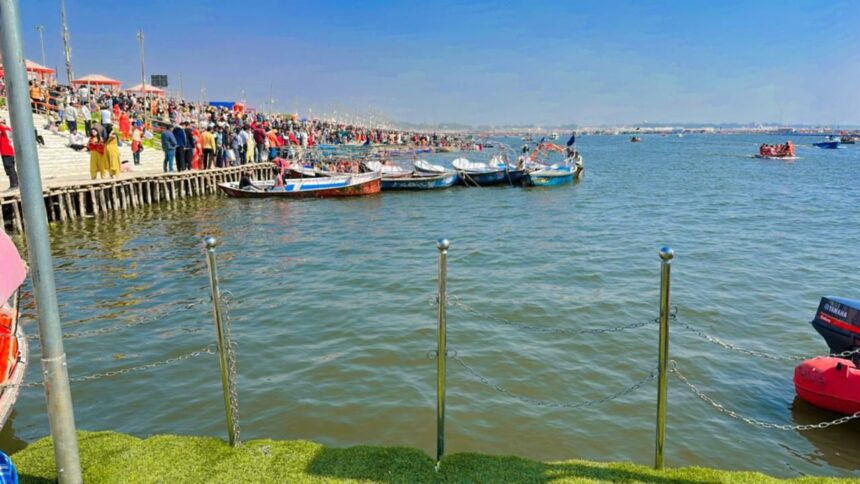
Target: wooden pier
(70,201)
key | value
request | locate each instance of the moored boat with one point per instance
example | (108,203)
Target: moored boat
(555,175)
(483,174)
(320,187)
(13,341)
(833,382)
(419,182)
(423,167)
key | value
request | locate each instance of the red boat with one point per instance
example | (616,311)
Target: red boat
(320,187)
(777,152)
(829,383)
(833,383)
(13,341)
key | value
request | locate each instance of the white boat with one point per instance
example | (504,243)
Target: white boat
(387,170)
(553,136)
(422,166)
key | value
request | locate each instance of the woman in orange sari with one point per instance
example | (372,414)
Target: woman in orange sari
(124,126)
(198,149)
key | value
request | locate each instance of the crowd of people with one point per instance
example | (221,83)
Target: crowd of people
(196,135)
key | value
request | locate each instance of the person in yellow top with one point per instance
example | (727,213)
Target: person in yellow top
(209,148)
(112,153)
(96,147)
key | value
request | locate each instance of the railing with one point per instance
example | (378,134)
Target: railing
(225,348)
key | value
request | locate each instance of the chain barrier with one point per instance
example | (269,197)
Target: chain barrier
(752,421)
(551,403)
(208,350)
(158,316)
(227,301)
(456,302)
(757,353)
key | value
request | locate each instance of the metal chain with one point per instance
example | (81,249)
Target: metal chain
(752,421)
(456,302)
(226,301)
(158,316)
(208,350)
(551,403)
(757,353)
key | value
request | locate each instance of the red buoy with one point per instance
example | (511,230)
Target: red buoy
(829,383)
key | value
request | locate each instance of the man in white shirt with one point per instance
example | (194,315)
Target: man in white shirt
(106,115)
(87,116)
(71,116)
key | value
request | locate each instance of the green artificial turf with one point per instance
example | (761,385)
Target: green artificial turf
(117,458)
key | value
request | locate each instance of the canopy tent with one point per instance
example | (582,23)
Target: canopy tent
(97,80)
(237,108)
(34,70)
(146,89)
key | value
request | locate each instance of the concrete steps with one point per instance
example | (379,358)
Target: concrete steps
(58,162)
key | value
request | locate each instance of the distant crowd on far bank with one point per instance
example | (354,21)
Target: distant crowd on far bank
(193,135)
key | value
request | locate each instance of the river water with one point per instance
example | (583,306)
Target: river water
(331,310)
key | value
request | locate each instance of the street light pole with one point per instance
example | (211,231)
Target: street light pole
(67,49)
(142,77)
(55,373)
(41,28)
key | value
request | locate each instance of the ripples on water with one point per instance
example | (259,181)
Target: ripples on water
(333,323)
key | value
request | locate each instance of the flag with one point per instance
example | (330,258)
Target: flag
(572,139)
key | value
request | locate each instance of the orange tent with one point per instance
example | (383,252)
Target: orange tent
(147,89)
(34,70)
(97,80)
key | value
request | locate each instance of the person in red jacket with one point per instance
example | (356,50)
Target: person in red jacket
(8,154)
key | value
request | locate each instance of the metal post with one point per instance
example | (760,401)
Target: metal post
(666,255)
(41,28)
(441,349)
(142,78)
(67,48)
(61,415)
(210,243)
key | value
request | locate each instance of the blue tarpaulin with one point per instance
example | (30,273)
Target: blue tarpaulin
(222,104)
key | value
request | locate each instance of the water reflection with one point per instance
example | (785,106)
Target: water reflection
(833,444)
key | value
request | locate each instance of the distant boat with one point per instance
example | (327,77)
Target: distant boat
(635,139)
(680,135)
(419,182)
(832,143)
(848,140)
(320,187)
(553,136)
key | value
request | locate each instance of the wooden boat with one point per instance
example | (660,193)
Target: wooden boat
(300,172)
(419,182)
(13,341)
(848,140)
(387,171)
(425,168)
(319,187)
(483,174)
(554,175)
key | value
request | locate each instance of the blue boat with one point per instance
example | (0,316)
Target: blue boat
(483,174)
(829,145)
(550,177)
(416,182)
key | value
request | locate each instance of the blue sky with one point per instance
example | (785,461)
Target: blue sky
(512,62)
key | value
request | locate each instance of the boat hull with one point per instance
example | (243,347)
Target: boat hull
(9,394)
(419,182)
(765,157)
(828,145)
(491,178)
(370,186)
(829,383)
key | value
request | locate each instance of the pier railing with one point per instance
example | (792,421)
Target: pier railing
(225,348)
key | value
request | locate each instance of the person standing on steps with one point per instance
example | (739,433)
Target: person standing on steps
(169,145)
(7,151)
(180,142)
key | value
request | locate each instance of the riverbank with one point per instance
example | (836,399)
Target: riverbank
(114,457)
